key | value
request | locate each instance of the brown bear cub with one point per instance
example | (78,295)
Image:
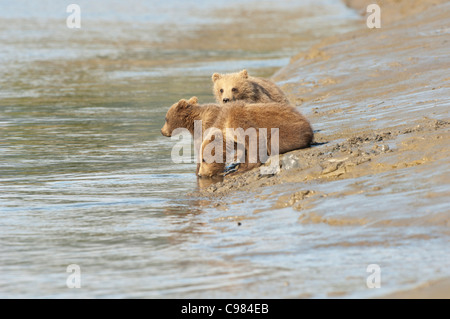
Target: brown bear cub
(294,131)
(242,87)
(183,114)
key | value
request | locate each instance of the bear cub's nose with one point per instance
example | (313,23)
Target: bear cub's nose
(225,100)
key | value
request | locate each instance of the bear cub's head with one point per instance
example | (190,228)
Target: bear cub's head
(178,116)
(232,87)
(211,154)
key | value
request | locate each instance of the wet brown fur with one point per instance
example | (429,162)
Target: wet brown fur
(295,132)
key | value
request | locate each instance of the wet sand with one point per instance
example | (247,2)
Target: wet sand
(431,290)
(379,101)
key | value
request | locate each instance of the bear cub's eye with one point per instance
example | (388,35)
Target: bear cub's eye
(234,90)
(221,90)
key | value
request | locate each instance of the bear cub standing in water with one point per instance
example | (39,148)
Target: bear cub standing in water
(242,87)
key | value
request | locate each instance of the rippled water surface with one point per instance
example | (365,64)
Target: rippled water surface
(86,177)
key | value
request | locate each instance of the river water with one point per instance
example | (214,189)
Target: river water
(86,177)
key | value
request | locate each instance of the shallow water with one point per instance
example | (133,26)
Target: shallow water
(86,177)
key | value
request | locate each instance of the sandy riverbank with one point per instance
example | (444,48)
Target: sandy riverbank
(379,102)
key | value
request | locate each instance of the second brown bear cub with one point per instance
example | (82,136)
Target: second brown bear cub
(294,131)
(242,87)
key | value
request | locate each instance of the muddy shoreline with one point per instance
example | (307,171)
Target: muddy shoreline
(378,101)
(362,141)
(356,155)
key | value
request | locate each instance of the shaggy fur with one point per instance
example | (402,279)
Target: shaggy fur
(183,114)
(295,131)
(242,87)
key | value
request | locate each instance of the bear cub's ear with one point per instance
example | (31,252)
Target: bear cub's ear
(185,104)
(182,103)
(244,74)
(216,76)
(193,100)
